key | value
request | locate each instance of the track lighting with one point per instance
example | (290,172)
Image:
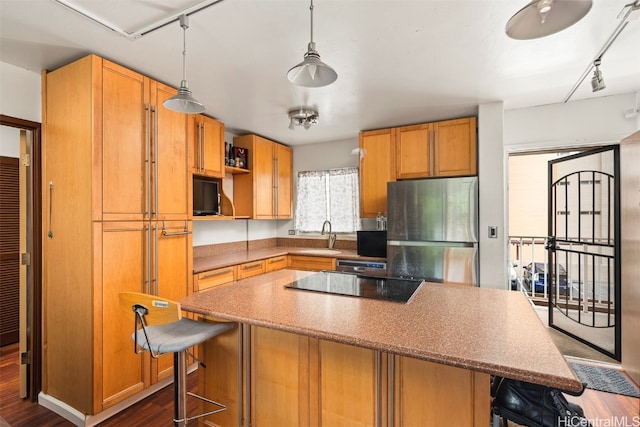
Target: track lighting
(312,72)
(183,102)
(304,117)
(597,81)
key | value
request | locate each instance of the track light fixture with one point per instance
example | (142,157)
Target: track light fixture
(541,18)
(312,72)
(183,102)
(303,116)
(597,81)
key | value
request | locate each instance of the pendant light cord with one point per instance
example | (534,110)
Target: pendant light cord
(184,23)
(311,10)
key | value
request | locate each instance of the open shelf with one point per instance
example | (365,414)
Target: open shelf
(234,170)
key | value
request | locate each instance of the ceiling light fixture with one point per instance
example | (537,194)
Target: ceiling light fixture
(541,18)
(303,116)
(312,72)
(597,82)
(626,13)
(183,102)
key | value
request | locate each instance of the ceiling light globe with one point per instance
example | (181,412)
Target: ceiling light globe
(183,102)
(312,72)
(531,22)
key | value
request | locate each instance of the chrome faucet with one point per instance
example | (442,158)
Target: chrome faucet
(332,236)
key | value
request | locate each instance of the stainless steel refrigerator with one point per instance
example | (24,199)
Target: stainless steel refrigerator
(432,229)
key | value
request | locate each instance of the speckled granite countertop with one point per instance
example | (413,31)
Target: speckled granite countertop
(206,263)
(487,330)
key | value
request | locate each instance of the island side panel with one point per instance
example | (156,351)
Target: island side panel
(433,394)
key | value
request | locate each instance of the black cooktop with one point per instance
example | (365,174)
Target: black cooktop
(358,285)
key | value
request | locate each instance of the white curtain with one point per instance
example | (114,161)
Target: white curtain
(328,195)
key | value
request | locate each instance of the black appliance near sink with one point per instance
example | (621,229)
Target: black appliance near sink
(358,285)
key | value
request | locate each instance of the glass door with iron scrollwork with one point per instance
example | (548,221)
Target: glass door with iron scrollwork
(583,248)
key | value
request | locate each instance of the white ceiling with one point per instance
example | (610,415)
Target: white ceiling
(398,62)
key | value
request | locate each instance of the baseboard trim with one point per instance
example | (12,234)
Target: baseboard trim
(82,420)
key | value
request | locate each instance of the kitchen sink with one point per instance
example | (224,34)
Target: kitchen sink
(320,251)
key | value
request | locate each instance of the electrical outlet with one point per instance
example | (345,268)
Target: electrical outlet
(292,232)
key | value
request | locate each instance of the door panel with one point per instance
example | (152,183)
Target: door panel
(124,249)
(413,151)
(124,148)
(171,267)
(263,180)
(170,159)
(584,253)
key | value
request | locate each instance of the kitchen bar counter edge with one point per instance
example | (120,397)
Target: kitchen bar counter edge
(468,327)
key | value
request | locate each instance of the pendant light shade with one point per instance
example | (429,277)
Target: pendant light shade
(184,102)
(312,72)
(541,18)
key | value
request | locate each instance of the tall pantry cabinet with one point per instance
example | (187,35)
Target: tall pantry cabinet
(116,217)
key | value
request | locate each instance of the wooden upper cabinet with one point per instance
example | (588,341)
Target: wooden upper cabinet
(126,149)
(284,181)
(455,147)
(207,147)
(170,169)
(143,149)
(446,148)
(413,148)
(266,191)
(377,168)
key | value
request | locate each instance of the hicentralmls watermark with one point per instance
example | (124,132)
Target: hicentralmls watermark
(613,421)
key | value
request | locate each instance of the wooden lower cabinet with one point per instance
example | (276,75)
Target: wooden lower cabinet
(213,278)
(268,377)
(314,263)
(275,263)
(432,394)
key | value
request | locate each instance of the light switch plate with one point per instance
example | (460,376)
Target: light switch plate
(493,232)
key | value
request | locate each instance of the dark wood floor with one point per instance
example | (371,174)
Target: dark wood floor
(157,410)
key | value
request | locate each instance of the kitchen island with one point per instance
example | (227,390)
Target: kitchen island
(308,358)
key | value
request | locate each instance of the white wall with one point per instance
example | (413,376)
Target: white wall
(20,98)
(493,193)
(20,93)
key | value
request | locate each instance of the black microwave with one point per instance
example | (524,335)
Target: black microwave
(206,196)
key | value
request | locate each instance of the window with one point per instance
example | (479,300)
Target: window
(328,195)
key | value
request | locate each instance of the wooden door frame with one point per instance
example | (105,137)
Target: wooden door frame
(34,306)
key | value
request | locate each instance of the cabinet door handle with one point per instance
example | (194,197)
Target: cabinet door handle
(217,273)
(435,152)
(147,162)
(175,233)
(203,137)
(272,260)
(156,157)
(50,233)
(147,281)
(254,265)
(275,186)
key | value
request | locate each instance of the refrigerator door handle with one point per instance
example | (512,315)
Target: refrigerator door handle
(426,243)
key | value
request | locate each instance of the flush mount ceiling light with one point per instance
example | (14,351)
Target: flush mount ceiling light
(303,116)
(312,72)
(183,102)
(541,18)
(597,81)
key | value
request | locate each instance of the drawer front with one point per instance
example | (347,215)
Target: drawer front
(315,263)
(276,263)
(250,269)
(212,278)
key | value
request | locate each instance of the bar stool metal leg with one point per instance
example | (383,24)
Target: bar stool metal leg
(180,388)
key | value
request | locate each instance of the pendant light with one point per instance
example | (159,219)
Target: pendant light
(541,18)
(183,102)
(312,72)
